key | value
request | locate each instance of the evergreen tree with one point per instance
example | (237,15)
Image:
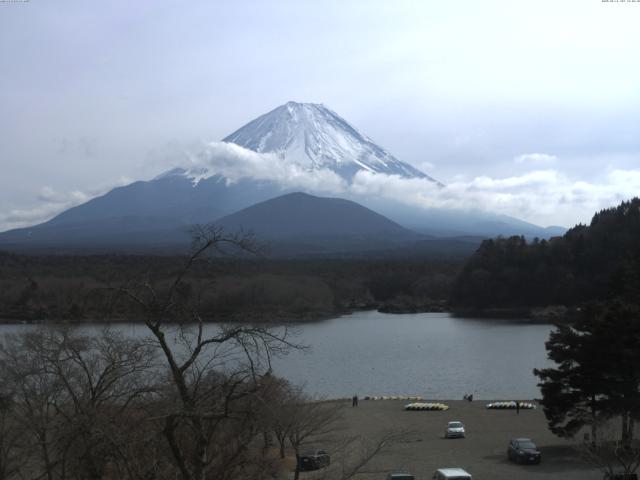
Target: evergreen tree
(597,376)
(596,262)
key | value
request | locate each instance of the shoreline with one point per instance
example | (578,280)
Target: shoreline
(507,315)
(420,399)
(482,452)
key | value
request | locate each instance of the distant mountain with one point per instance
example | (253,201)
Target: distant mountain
(447,222)
(299,224)
(155,214)
(315,137)
(301,215)
(290,225)
(172,197)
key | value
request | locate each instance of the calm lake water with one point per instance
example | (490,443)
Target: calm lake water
(430,354)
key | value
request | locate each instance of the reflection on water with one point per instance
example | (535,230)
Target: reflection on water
(429,354)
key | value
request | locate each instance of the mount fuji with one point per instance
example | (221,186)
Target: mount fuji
(314,137)
(156,214)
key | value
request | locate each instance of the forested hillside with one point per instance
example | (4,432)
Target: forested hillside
(81,288)
(594,262)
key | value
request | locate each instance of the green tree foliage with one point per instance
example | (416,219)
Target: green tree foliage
(594,262)
(597,373)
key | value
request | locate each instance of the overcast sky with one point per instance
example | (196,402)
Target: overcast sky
(533,104)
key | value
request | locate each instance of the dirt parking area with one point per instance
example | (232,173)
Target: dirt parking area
(482,453)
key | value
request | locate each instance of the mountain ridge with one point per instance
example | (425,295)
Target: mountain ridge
(308,134)
(302,214)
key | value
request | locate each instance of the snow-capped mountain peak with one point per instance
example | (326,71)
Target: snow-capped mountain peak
(315,137)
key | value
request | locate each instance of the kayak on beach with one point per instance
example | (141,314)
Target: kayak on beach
(511,405)
(426,406)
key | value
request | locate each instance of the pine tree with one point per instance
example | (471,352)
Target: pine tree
(597,376)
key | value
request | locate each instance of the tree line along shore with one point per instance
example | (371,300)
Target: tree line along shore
(539,280)
(76,288)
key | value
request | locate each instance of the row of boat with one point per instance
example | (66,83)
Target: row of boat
(417,399)
(426,406)
(511,405)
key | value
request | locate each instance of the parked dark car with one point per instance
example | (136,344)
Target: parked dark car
(313,460)
(523,450)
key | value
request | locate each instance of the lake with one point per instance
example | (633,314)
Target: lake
(433,355)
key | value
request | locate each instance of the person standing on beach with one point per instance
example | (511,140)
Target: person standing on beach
(517,407)
(354,401)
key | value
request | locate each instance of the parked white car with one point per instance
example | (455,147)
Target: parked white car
(451,474)
(454,429)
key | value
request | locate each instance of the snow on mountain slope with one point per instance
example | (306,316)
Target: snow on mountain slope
(315,137)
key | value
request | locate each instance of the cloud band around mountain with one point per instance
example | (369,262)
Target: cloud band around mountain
(541,196)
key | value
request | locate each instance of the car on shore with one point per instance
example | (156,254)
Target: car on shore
(454,429)
(451,474)
(313,460)
(400,476)
(523,450)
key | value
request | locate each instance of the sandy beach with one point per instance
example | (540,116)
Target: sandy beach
(482,453)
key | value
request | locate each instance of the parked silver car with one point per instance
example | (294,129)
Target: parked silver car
(400,476)
(454,430)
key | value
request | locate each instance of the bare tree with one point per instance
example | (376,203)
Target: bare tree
(214,370)
(187,400)
(72,393)
(356,454)
(36,393)
(608,452)
(277,402)
(102,376)
(311,421)
(10,438)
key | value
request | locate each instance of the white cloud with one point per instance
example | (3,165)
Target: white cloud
(48,195)
(425,166)
(529,179)
(235,162)
(535,158)
(545,197)
(541,196)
